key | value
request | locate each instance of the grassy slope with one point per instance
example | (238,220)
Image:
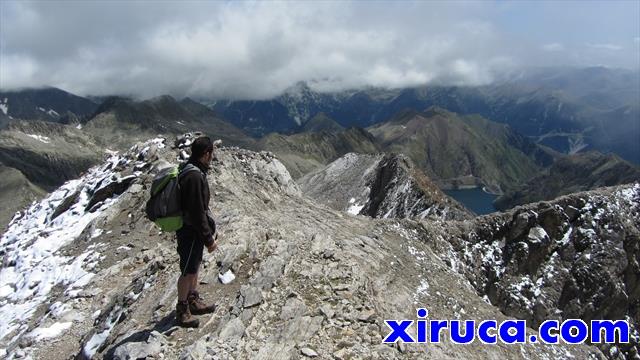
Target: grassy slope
(456,150)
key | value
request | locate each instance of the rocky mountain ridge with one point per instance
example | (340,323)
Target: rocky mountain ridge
(120,122)
(572,173)
(380,186)
(45,104)
(309,280)
(577,256)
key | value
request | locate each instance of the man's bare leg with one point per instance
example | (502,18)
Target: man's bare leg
(185,282)
(194,282)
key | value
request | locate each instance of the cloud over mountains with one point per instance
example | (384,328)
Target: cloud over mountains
(251,50)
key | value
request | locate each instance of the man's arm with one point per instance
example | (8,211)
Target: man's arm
(196,210)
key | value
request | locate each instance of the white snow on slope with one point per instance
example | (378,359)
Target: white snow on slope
(355,209)
(629,195)
(40,138)
(99,338)
(32,265)
(51,331)
(421,291)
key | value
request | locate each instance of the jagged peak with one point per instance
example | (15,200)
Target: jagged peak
(380,186)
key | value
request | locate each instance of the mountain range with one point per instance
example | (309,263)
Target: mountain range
(120,121)
(308,151)
(567,109)
(461,150)
(452,149)
(47,104)
(41,150)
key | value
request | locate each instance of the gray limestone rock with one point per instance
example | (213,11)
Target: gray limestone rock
(141,350)
(251,295)
(308,352)
(234,329)
(293,308)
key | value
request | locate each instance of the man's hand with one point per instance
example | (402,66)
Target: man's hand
(214,243)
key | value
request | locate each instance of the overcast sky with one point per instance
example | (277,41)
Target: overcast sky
(256,50)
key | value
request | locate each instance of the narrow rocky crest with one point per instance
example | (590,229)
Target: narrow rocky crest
(380,186)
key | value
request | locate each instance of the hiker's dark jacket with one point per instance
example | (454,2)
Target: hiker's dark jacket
(194,198)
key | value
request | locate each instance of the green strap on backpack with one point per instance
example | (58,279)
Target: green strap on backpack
(163,207)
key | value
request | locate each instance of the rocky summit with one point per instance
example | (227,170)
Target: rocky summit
(84,273)
(576,257)
(380,186)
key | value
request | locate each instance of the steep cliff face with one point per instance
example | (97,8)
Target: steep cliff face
(380,186)
(85,274)
(575,257)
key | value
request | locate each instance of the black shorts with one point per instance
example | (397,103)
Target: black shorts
(190,249)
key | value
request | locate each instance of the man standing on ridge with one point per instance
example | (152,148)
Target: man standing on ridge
(199,230)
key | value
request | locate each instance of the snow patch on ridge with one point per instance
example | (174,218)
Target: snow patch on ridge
(52,331)
(355,209)
(40,138)
(99,338)
(32,262)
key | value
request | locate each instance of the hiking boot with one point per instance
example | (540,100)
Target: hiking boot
(197,306)
(183,316)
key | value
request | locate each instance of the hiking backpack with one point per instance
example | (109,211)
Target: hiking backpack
(164,205)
